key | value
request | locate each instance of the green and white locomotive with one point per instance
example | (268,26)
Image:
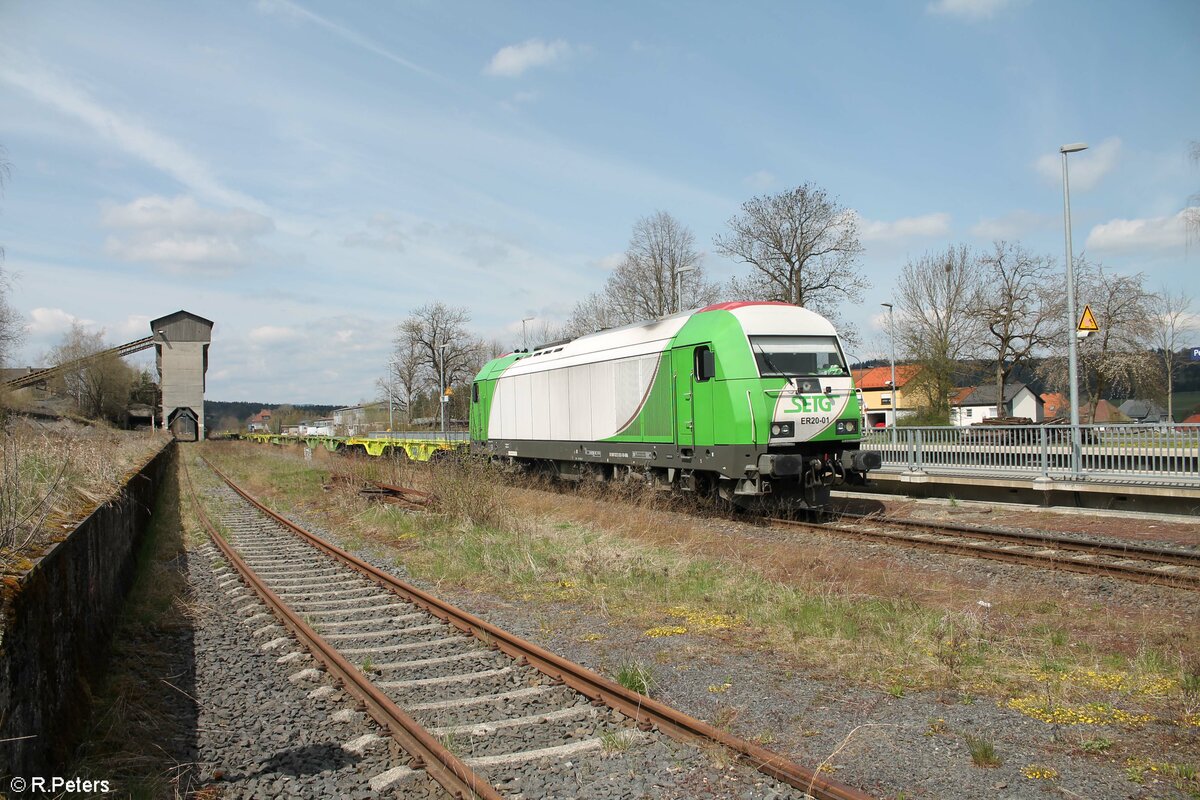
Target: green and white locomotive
(745,400)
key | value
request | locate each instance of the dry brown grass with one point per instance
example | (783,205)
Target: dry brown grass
(53,474)
(814,602)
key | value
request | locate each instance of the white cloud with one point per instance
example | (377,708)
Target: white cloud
(177,233)
(759,181)
(515,59)
(972,10)
(936,224)
(134,138)
(1085,168)
(134,326)
(1012,225)
(1141,235)
(45,322)
(272,334)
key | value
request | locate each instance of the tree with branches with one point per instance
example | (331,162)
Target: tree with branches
(1115,359)
(803,247)
(660,265)
(404,379)
(1171,324)
(12,327)
(98,387)
(436,347)
(935,326)
(1018,306)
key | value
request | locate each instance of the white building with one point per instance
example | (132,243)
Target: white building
(975,404)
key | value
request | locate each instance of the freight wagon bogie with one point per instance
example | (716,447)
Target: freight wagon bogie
(745,401)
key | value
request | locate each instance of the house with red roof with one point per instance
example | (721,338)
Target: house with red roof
(1056,404)
(260,422)
(881,402)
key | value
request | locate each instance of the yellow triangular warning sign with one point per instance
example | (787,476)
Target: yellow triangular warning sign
(1087,322)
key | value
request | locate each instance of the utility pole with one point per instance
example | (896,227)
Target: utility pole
(1072,358)
(442,398)
(524,338)
(892,331)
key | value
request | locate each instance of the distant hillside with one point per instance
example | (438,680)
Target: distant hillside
(215,410)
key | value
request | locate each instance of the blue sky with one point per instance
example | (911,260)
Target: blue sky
(306,173)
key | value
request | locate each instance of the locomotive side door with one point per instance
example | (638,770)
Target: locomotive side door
(681,365)
(694,370)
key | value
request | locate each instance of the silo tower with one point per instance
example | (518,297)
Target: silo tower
(181,344)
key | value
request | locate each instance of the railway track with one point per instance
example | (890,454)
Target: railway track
(1152,565)
(483,712)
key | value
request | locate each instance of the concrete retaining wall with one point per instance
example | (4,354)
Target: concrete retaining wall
(57,625)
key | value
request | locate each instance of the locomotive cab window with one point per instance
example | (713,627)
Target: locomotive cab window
(705,363)
(798,356)
(474,392)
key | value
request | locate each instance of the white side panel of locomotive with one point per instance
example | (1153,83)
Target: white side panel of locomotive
(586,402)
(591,386)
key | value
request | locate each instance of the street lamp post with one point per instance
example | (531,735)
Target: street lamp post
(679,287)
(1072,358)
(524,338)
(892,332)
(442,382)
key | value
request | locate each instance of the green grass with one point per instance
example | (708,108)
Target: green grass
(983,752)
(636,678)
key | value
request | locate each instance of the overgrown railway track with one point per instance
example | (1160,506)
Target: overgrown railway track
(485,713)
(1159,566)
(1126,561)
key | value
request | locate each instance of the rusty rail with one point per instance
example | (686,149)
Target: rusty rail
(646,712)
(1052,562)
(1162,555)
(426,751)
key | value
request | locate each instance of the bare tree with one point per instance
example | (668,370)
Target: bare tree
(1117,357)
(935,326)
(593,313)
(660,264)
(661,251)
(99,387)
(5,172)
(403,381)
(12,327)
(1171,324)
(1019,307)
(435,338)
(803,247)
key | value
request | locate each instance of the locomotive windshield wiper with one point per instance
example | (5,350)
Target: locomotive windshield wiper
(772,364)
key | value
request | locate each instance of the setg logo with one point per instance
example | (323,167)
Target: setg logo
(810,404)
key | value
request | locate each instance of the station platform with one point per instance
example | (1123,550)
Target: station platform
(1092,493)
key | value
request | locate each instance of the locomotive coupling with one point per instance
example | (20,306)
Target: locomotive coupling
(861,460)
(780,464)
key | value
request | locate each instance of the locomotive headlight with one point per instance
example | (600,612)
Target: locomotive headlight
(782,430)
(845,427)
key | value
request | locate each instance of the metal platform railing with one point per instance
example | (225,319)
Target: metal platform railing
(1159,454)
